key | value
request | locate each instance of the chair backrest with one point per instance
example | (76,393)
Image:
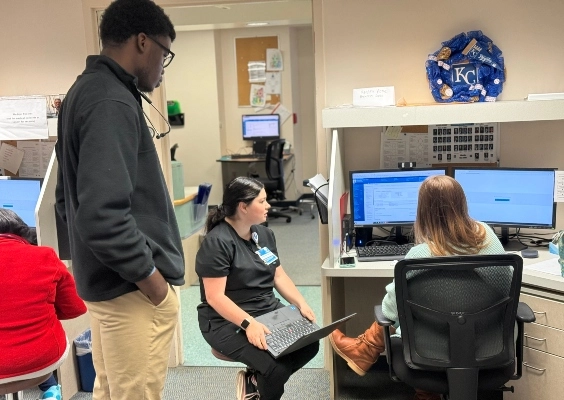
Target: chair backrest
(458,311)
(274,162)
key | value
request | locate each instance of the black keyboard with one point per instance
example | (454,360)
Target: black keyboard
(285,335)
(383,252)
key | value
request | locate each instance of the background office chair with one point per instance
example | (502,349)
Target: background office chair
(457,316)
(274,183)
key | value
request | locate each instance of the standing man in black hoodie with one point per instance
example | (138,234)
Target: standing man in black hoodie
(125,245)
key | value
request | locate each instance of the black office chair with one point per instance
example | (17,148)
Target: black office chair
(274,183)
(457,316)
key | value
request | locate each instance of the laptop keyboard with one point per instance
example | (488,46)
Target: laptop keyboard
(284,336)
(383,252)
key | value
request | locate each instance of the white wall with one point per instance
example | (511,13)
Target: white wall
(42,46)
(361,46)
(192,80)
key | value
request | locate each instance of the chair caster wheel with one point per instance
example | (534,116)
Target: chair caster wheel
(288,220)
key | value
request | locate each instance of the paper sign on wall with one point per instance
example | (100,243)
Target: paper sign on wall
(23,118)
(10,158)
(257,95)
(374,96)
(274,60)
(37,156)
(257,71)
(273,83)
(282,111)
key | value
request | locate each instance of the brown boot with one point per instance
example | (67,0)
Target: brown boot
(423,395)
(361,352)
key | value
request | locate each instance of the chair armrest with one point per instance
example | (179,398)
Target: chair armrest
(381,319)
(524,313)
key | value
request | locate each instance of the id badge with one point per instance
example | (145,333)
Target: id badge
(267,256)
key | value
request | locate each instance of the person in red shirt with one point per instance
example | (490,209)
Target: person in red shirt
(37,292)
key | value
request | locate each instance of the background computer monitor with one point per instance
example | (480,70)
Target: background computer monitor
(20,195)
(261,126)
(387,197)
(510,197)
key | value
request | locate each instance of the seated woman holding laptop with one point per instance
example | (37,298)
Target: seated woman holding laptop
(238,266)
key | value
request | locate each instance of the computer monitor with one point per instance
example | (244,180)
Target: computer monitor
(510,197)
(261,126)
(20,195)
(387,197)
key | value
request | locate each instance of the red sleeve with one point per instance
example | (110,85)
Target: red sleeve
(67,303)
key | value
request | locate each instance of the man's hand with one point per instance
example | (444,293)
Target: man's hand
(154,287)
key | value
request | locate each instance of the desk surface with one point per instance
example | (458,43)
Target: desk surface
(227,158)
(385,269)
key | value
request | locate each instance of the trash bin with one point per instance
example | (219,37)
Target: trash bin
(83,347)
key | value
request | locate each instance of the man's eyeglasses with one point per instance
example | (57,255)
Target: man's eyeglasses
(169,54)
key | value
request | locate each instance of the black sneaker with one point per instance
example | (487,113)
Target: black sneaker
(247,386)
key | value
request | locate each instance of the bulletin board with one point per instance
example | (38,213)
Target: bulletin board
(251,49)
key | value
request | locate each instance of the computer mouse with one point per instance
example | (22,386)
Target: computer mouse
(529,253)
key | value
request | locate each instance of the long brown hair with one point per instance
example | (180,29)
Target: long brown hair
(443,221)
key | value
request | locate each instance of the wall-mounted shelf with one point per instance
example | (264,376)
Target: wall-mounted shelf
(500,111)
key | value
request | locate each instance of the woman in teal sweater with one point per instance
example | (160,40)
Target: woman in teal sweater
(442,227)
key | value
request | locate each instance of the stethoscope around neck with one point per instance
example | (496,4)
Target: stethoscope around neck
(152,128)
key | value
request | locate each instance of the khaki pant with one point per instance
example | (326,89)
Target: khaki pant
(131,340)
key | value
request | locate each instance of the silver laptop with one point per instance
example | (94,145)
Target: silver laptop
(291,331)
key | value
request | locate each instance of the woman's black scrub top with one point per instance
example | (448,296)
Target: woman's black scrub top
(250,281)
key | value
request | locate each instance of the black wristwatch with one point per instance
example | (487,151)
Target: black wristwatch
(245,324)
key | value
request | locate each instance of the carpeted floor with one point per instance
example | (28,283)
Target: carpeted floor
(218,383)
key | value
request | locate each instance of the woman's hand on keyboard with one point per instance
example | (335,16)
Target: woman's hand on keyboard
(307,312)
(255,334)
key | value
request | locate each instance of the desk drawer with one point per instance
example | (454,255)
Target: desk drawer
(545,338)
(544,383)
(548,312)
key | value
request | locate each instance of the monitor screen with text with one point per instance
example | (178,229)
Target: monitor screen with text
(261,127)
(387,197)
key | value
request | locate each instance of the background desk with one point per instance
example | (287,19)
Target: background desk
(359,289)
(234,167)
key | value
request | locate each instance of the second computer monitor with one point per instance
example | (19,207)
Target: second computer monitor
(387,197)
(510,197)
